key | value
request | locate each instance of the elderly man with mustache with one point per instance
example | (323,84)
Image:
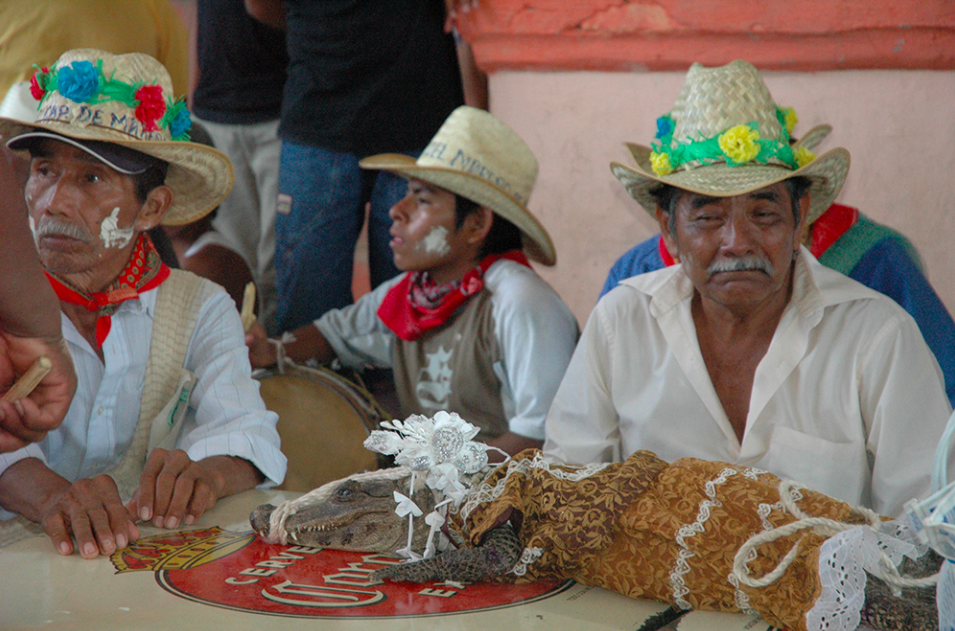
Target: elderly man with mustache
(166,419)
(749,351)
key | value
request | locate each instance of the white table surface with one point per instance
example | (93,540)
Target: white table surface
(40,589)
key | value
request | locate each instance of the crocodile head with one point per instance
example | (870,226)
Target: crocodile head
(357,515)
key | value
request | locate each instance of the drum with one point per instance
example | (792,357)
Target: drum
(324,420)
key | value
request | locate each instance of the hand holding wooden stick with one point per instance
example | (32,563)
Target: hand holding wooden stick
(29,380)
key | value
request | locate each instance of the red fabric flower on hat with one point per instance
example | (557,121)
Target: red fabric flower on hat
(35,89)
(151,106)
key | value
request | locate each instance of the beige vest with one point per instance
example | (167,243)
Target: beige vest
(451,368)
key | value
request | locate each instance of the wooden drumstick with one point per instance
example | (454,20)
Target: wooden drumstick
(248,307)
(29,380)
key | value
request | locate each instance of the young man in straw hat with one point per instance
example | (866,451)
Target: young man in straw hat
(846,240)
(750,351)
(166,417)
(470,328)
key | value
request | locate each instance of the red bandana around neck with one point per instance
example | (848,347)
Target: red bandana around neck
(144,271)
(403,313)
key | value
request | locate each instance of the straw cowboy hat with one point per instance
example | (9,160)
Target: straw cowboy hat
(93,99)
(726,136)
(476,156)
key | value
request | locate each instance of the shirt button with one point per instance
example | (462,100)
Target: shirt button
(100,410)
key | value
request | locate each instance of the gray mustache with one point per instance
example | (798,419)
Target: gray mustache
(63,228)
(744,264)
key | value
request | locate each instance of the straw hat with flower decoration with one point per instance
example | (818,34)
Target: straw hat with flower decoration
(476,156)
(725,136)
(126,100)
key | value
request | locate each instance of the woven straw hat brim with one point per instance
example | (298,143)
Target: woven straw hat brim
(537,243)
(827,174)
(199,176)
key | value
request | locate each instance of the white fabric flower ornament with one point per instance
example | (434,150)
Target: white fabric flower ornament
(443,449)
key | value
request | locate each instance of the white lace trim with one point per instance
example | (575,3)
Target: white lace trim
(753,473)
(742,600)
(528,557)
(485,493)
(682,567)
(843,561)
(848,552)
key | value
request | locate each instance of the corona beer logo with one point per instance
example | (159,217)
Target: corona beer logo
(240,571)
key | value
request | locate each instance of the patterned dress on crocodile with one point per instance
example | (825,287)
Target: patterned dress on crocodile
(670,532)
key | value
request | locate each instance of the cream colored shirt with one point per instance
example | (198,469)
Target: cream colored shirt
(848,399)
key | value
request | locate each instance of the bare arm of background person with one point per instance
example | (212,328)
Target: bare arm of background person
(29,325)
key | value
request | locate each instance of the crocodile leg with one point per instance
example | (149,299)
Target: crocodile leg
(498,553)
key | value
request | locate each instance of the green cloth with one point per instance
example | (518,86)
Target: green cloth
(848,250)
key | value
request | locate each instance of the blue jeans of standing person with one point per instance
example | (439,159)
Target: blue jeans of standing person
(321,209)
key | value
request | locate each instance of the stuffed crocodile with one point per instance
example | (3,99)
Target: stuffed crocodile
(643,528)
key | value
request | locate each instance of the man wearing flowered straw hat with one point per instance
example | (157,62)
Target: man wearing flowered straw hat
(470,328)
(846,240)
(166,417)
(750,351)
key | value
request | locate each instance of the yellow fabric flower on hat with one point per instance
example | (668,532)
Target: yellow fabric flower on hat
(739,143)
(790,119)
(660,163)
(804,156)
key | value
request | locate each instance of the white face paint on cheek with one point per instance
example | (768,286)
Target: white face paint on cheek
(435,242)
(112,235)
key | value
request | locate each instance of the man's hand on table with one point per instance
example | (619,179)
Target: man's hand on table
(91,511)
(174,489)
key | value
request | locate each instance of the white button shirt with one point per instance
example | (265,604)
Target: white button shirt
(848,399)
(226,415)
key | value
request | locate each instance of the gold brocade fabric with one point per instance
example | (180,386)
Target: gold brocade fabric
(647,529)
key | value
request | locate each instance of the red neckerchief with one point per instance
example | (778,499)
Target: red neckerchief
(831,225)
(144,271)
(409,320)
(668,259)
(826,230)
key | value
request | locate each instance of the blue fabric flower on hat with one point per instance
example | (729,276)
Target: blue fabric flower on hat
(664,127)
(180,122)
(79,81)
